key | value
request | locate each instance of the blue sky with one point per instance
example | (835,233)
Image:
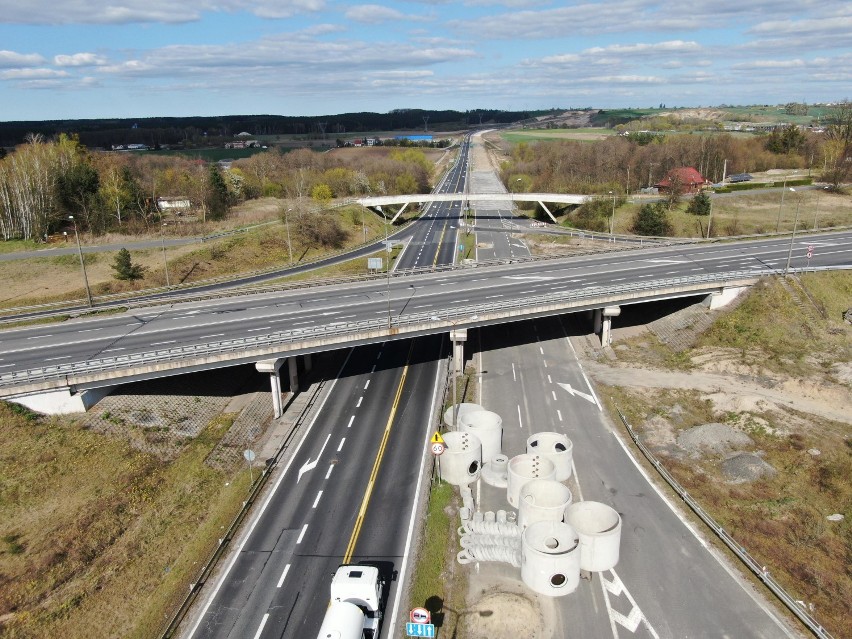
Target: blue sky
(136,58)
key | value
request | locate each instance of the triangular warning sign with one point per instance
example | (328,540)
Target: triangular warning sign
(437,439)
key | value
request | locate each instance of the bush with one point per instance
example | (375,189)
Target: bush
(315,230)
(652,220)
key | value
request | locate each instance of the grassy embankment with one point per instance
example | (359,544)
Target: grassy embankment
(98,539)
(780,520)
(439,582)
(57,278)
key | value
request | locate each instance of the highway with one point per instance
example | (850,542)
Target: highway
(348,492)
(333,307)
(677,586)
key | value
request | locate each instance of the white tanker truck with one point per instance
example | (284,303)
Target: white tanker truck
(355,610)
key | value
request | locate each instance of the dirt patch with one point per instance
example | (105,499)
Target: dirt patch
(505,615)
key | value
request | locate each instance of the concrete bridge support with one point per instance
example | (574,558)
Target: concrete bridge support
(603,318)
(723,297)
(62,401)
(273,366)
(458,338)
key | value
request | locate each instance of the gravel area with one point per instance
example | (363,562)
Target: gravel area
(713,438)
(746,467)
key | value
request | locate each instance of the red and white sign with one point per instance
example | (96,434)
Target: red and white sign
(420,615)
(437,449)
(810,251)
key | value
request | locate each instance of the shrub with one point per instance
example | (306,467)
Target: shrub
(124,267)
(652,220)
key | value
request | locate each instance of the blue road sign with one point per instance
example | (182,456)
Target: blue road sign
(420,629)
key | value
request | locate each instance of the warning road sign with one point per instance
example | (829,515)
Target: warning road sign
(437,439)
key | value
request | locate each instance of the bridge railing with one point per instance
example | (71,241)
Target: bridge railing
(401,324)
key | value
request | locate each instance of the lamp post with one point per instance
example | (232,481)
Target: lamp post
(816,210)
(457,365)
(287,226)
(612,218)
(710,218)
(780,206)
(82,263)
(793,234)
(165,262)
(387,268)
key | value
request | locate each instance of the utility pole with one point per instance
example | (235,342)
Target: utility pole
(425,123)
(82,263)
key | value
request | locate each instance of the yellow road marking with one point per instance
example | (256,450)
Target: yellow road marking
(350,549)
(440,241)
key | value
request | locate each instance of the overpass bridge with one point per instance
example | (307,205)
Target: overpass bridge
(491,198)
(369,326)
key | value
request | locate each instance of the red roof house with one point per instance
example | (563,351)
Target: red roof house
(689,180)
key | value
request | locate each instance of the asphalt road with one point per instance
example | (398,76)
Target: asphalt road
(333,306)
(677,587)
(348,493)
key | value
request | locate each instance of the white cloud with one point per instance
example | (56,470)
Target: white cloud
(144,11)
(373,14)
(12,59)
(668,47)
(79,60)
(31,74)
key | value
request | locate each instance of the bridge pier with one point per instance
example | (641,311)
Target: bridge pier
(603,322)
(458,338)
(273,366)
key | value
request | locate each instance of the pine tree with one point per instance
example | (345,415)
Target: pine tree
(124,267)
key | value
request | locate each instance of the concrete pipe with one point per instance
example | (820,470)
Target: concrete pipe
(461,462)
(550,558)
(523,468)
(599,528)
(557,448)
(488,427)
(463,409)
(543,500)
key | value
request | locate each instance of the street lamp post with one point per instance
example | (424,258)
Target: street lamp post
(816,210)
(780,206)
(612,218)
(82,263)
(793,234)
(710,216)
(165,262)
(287,226)
(387,257)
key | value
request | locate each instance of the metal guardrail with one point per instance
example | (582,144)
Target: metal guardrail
(255,489)
(795,606)
(281,338)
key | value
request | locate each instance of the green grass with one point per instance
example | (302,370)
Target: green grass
(100,539)
(15,246)
(437,537)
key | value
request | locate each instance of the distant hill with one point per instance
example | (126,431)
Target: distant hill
(199,131)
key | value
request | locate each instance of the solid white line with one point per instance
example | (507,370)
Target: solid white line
(262,624)
(39,336)
(302,534)
(283,575)
(405,554)
(340,447)
(254,330)
(266,502)
(328,472)
(171,341)
(367,385)
(316,501)
(110,350)
(351,419)
(360,399)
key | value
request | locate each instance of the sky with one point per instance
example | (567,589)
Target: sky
(62,59)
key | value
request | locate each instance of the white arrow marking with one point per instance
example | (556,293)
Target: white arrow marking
(575,392)
(310,465)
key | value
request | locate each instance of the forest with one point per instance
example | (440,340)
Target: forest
(44,182)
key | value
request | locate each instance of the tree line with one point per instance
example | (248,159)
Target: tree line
(43,182)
